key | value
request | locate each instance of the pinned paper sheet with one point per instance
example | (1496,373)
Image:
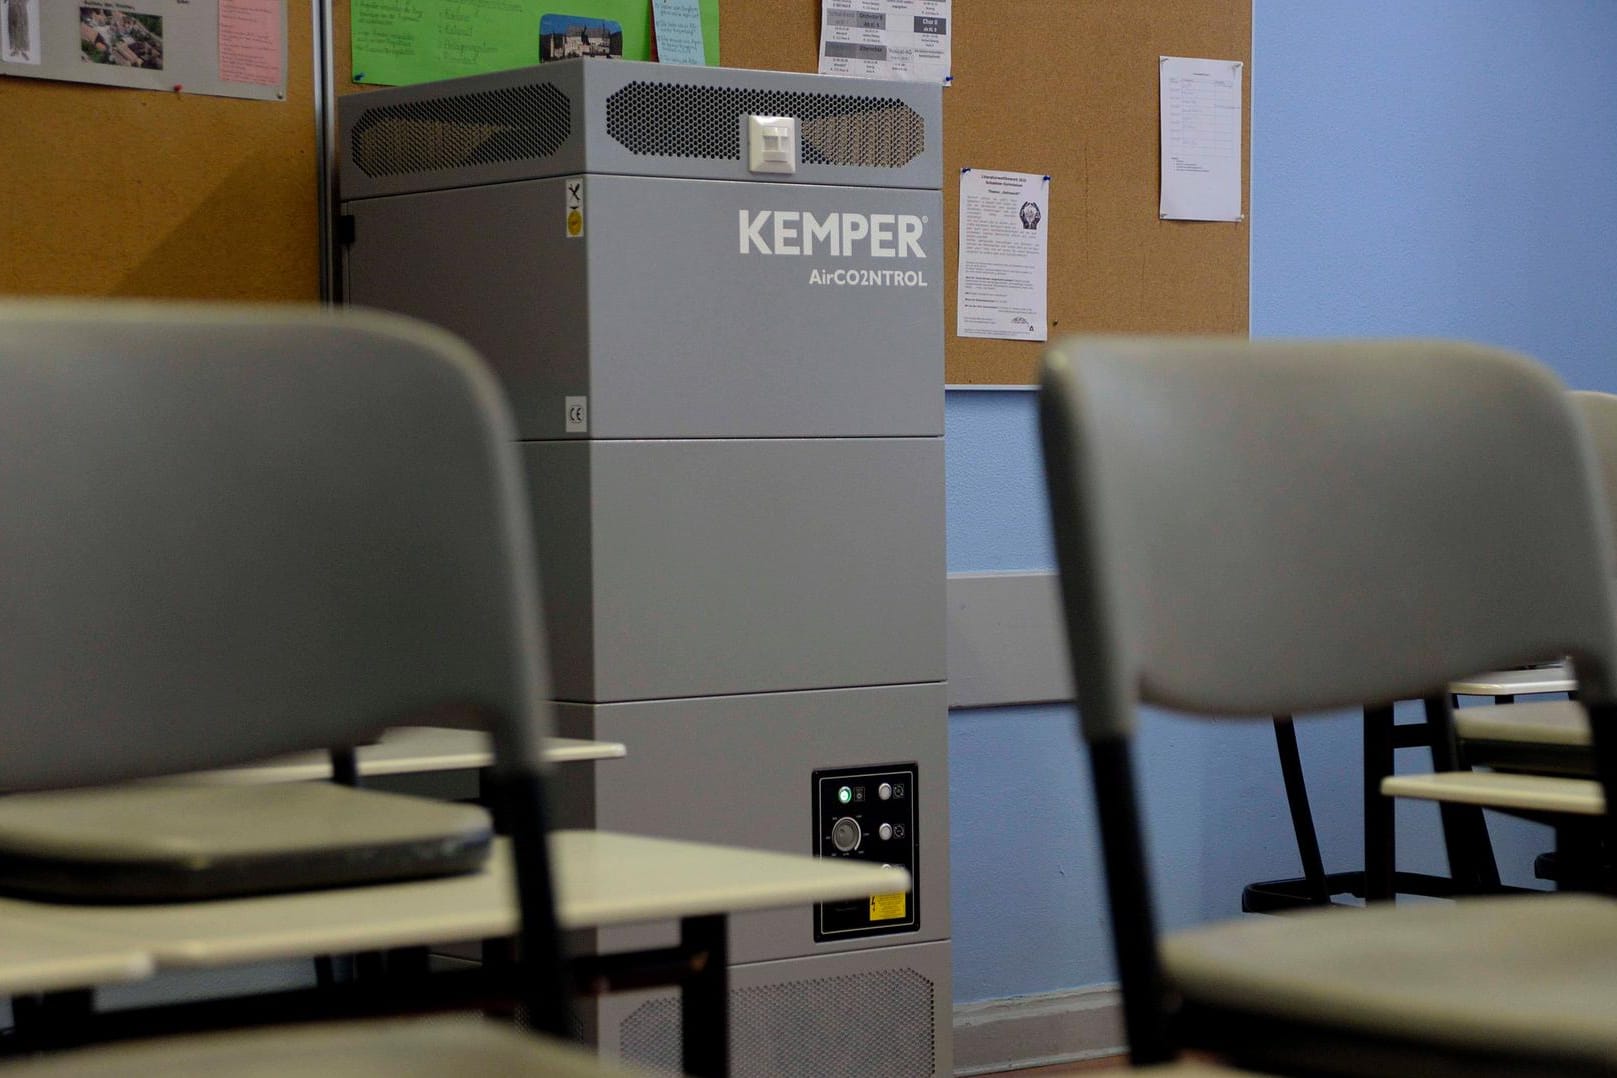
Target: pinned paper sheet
(1201,139)
(250,41)
(677,25)
(1004,255)
(886,39)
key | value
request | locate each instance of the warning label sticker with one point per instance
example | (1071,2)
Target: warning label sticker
(574,186)
(889,907)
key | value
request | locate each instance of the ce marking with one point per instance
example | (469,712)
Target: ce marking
(576,414)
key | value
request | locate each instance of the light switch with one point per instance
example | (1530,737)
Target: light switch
(772,143)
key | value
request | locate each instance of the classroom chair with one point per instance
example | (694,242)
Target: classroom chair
(232,533)
(1257,528)
(235,534)
(1551,736)
(1539,758)
(1534,737)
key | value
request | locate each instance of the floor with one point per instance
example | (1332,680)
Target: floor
(1113,1063)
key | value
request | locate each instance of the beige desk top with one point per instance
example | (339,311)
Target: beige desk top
(602,879)
(408,750)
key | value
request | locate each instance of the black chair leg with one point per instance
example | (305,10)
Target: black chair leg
(345,767)
(1579,859)
(705,998)
(1465,832)
(1380,840)
(1302,817)
(51,1020)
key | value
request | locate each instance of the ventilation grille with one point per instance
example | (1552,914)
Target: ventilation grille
(664,119)
(875,1025)
(519,123)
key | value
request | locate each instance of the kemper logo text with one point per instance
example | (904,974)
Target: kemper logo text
(840,235)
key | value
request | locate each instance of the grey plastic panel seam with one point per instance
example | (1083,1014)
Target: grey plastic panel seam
(1007,640)
(450,184)
(717,438)
(750,693)
(891,946)
(986,387)
(812,176)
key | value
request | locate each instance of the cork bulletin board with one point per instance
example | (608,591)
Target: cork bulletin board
(114,192)
(136,193)
(1067,88)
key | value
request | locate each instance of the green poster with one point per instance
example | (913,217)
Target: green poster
(400,42)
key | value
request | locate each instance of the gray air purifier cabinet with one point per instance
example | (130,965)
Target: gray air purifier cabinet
(715,299)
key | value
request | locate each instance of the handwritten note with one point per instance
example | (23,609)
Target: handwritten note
(402,42)
(250,41)
(678,26)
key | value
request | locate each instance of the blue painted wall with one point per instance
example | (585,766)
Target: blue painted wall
(1418,167)
(1439,168)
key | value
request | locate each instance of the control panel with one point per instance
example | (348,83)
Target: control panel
(868,814)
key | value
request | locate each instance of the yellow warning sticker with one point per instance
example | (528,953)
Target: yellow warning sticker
(574,186)
(889,907)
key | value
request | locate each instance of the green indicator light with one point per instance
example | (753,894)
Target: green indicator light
(845,795)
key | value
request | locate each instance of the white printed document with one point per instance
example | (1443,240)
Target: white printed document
(886,39)
(1004,255)
(1201,139)
(224,48)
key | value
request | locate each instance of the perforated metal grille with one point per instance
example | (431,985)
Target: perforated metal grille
(876,1025)
(518,123)
(664,119)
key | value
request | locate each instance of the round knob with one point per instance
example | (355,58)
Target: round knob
(885,830)
(845,834)
(884,791)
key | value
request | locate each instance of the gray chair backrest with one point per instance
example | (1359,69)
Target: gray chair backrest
(230,532)
(1275,526)
(1599,412)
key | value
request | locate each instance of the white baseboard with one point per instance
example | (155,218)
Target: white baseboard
(1036,1031)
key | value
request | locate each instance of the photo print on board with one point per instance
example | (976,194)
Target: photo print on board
(19,32)
(120,38)
(562,37)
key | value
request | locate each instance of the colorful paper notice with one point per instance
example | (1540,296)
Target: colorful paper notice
(886,39)
(402,42)
(678,24)
(250,41)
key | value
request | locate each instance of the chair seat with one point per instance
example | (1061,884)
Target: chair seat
(1528,976)
(1562,722)
(161,842)
(393,1049)
(1492,789)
